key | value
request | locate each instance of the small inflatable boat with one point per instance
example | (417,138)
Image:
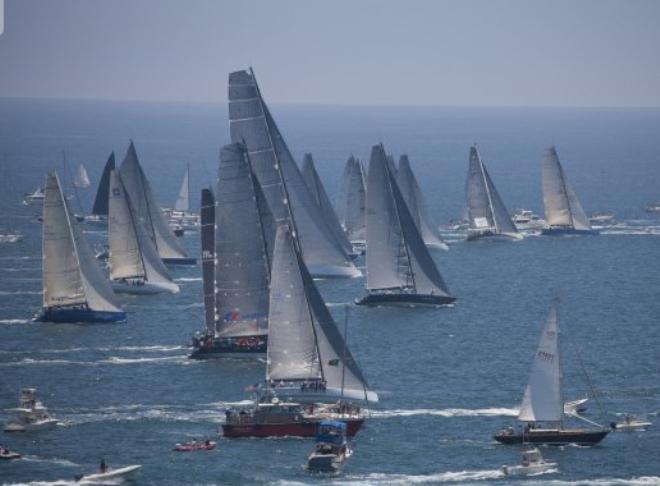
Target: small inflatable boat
(195,446)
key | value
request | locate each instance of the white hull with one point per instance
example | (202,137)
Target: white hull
(32,426)
(146,288)
(334,271)
(634,426)
(110,474)
(528,470)
(437,246)
(329,395)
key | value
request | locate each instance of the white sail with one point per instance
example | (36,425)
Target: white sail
(304,342)
(417,205)
(356,201)
(183,200)
(250,121)
(132,252)
(71,273)
(562,207)
(315,186)
(81,180)
(146,208)
(244,236)
(542,401)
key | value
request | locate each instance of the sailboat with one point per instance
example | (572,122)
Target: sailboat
(183,199)
(486,213)
(81,181)
(135,267)
(400,270)
(148,212)
(251,122)
(237,245)
(416,203)
(351,202)
(542,408)
(100,207)
(563,211)
(74,287)
(315,186)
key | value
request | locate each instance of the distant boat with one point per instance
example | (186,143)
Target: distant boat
(563,211)
(237,245)
(250,121)
(400,270)
(542,408)
(81,181)
(652,208)
(32,415)
(135,266)
(100,208)
(486,213)
(74,287)
(419,210)
(351,201)
(331,448)
(37,196)
(183,199)
(148,211)
(317,190)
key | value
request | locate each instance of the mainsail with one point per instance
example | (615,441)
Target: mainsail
(250,122)
(71,275)
(419,210)
(304,342)
(81,180)
(132,252)
(244,236)
(542,401)
(485,208)
(562,207)
(101,202)
(397,257)
(351,201)
(207,219)
(317,190)
(146,208)
(183,200)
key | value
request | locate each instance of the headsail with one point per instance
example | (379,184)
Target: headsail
(351,201)
(542,401)
(417,205)
(562,207)
(244,237)
(101,202)
(251,122)
(315,186)
(183,200)
(71,275)
(146,208)
(81,181)
(207,217)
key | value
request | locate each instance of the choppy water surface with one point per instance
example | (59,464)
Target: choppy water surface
(448,378)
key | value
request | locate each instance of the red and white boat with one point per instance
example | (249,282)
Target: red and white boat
(207,445)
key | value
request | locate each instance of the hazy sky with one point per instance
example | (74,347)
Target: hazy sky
(462,52)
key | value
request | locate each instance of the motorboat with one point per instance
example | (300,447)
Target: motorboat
(7,455)
(207,445)
(525,219)
(532,463)
(108,474)
(653,207)
(32,415)
(601,218)
(11,238)
(331,448)
(579,405)
(37,196)
(630,423)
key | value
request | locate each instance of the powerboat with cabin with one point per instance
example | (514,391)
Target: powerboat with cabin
(32,415)
(331,448)
(602,219)
(579,405)
(630,423)
(37,196)
(532,463)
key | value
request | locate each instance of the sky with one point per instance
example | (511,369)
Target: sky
(348,52)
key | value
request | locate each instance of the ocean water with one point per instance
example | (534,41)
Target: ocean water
(448,378)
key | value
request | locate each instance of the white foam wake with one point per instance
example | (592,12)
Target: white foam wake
(188,279)
(446,412)
(14,321)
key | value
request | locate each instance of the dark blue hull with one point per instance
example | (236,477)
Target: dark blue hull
(65,315)
(567,231)
(405,299)
(180,261)
(250,347)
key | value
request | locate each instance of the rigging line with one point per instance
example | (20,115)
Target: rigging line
(592,389)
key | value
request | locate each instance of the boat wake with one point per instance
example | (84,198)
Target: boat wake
(59,462)
(113,360)
(382,478)
(14,321)
(188,279)
(447,412)
(20,292)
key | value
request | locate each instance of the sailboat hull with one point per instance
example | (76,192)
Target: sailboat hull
(224,348)
(405,300)
(334,271)
(61,315)
(304,428)
(553,437)
(492,235)
(180,261)
(564,231)
(144,288)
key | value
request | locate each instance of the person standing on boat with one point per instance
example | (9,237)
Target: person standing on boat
(103,469)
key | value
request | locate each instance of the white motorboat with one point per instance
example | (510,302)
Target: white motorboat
(631,423)
(532,463)
(37,196)
(572,407)
(10,238)
(32,415)
(524,219)
(108,474)
(7,455)
(602,218)
(653,208)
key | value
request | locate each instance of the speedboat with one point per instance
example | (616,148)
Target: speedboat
(631,423)
(579,405)
(108,474)
(7,454)
(207,445)
(601,218)
(11,238)
(331,448)
(653,208)
(32,415)
(524,219)
(532,463)
(37,196)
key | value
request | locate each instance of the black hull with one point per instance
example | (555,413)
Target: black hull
(222,348)
(565,231)
(554,437)
(405,299)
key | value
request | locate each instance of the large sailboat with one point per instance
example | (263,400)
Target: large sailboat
(400,269)
(81,180)
(148,212)
(100,207)
(542,408)
(237,245)
(563,211)
(351,202)
(416,203)
(74,287)
(135,266)
(486,213)
(251,122)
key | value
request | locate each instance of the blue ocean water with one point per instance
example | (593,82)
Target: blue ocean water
(448,378)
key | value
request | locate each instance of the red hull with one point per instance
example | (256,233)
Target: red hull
(298,429)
